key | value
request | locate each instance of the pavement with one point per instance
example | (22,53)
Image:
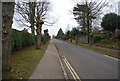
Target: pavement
(49,66)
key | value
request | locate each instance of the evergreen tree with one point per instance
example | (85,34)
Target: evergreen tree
(110,22)
(60,32)
(75,31)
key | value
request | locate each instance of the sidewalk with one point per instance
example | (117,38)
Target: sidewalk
(49,66)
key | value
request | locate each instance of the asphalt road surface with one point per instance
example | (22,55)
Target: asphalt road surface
(87,63)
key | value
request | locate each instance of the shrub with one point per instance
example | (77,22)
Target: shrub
(104,40)
(43,39)
(96,38)
(99,37)
(21,39)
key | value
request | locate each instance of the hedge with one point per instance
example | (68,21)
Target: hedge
(21,39)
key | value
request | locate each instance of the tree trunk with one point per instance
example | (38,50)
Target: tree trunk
(88,27)
(76,39)
(31,16)
(38,30)
(7,20)
(32,29)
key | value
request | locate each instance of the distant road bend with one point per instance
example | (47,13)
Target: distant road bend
(87,63)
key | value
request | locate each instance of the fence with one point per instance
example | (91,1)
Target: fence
(83,39)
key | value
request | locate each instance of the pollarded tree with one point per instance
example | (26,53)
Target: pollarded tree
(110,22)
(34,14)
(42,9)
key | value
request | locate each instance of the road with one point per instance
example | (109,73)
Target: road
(87,63)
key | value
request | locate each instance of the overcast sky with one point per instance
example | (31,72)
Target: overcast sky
(60,11)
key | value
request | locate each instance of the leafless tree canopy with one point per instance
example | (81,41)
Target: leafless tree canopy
(27,13)
(42,9)
(22,13)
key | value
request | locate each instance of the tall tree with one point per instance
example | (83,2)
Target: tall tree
(86,11)
(75,31)
(7,20)
(118,22)
(26,12)
(68,34)
(38,30)
(32,13)
(60,32)
(32,16)
(110,22)
(42,9)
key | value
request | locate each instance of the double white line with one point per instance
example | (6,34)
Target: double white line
(72,71)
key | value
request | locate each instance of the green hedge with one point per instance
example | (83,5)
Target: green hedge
(21,39)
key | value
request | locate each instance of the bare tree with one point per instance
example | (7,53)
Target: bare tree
(41,15)
(25,14)
(38,30)
(7,19)
(32,16)
(33,13)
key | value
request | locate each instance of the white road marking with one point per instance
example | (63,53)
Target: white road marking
(65,74)
(111,57)
(69,69)
(72,71)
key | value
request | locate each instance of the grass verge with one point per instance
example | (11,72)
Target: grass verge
(24,62)
(104,51)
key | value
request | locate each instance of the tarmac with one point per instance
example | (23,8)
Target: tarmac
(49,66)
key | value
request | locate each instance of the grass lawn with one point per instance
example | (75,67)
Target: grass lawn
(108,52)
(109,44)
(23,62)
